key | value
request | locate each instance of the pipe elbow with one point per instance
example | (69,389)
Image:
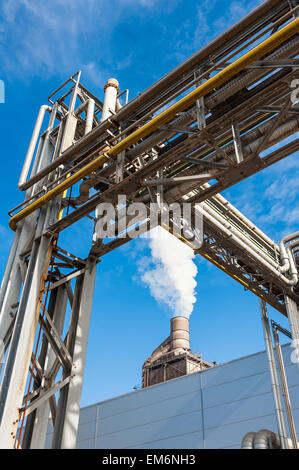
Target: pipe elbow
(247,441)
(12,224)
(46,107)
(265,439)
(32,145)
(284,258)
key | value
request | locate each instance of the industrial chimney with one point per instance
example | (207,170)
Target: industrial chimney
(179,333)
(173,358)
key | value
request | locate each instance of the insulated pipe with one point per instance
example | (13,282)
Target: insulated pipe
(242,217)
(32,144)
(244,242)
(247,441)
(179,333)
(293,269)
(266,439)
(239,234)
(249,148)
(166,81)
(283,252)
(245,247)
(89,113)
(111,90)
(164,117)
(89,116)
(203,54)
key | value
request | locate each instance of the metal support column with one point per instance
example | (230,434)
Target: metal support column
(19,357)
(42,414)
(274,377)
(67,420)
(293,315)
(285,388)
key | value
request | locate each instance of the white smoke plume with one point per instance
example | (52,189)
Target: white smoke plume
(171,272)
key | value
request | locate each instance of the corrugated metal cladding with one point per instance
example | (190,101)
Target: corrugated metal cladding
(209,409)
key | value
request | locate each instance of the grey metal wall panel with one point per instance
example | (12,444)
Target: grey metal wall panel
(223,437)
(294,396)
(86,431)
(192,440)
(234,370)
(48,441)
(287,354)
(292,374)
(182,404)
(88,414)
(237,411)
(236,390)
(155,431)
(87,444)
(150,395)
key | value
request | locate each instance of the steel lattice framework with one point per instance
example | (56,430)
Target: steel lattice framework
(210,123)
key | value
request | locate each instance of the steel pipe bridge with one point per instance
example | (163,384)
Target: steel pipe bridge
(223,115)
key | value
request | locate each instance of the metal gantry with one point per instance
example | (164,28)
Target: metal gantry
(213,121)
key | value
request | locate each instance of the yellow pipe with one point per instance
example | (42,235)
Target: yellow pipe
(243,283)
(222,77)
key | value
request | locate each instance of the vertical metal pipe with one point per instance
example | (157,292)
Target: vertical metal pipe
(111,90)
(293,315)
(19,357)
(32,144)
(274,377)
(71,119)
(42,158)
(285,389)
(89,116)
(12,281)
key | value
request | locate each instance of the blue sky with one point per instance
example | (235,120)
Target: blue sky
(136,41)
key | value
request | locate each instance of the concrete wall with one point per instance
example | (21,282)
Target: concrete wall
(209,409)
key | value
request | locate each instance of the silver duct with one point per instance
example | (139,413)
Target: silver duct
(263,439)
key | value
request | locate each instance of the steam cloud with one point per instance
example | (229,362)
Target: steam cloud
(171,272)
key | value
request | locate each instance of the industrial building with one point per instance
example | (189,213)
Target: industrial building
(173,357)
(211,409)
(223,115)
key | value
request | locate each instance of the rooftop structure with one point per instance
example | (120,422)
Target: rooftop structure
(224,114)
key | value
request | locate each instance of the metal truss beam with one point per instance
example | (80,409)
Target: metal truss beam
(159,148)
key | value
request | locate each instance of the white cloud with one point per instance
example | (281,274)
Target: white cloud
(212,19)
(46,37)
